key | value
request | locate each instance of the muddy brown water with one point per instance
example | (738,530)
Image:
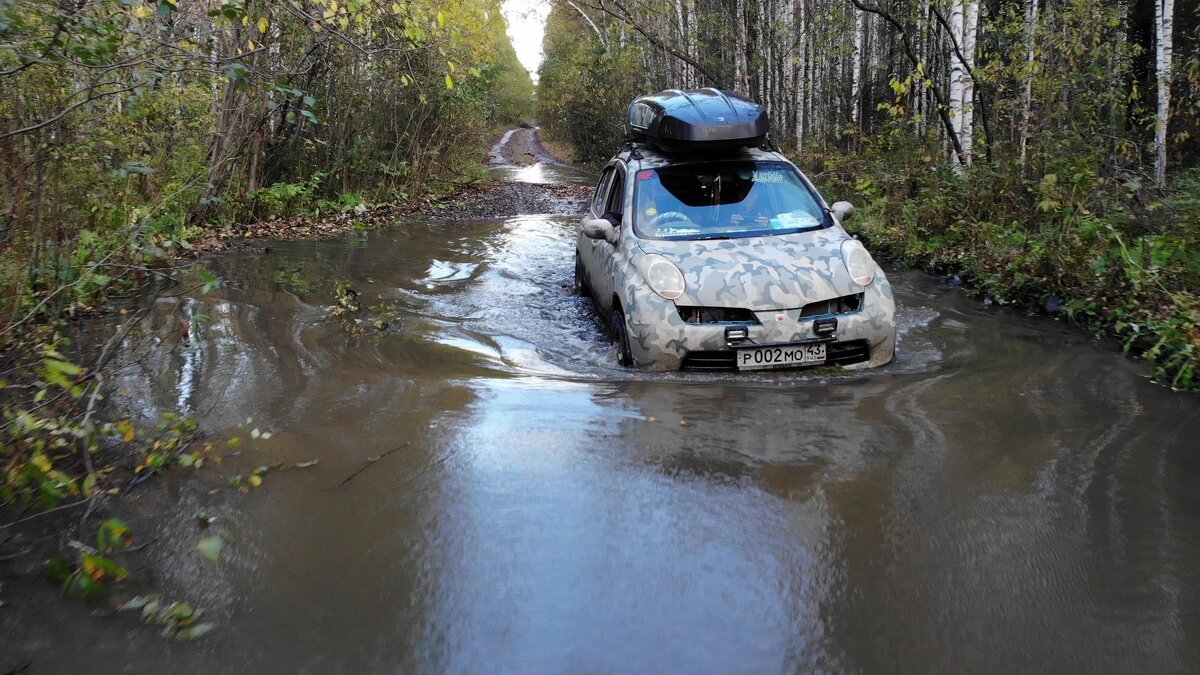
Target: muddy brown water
(1009,495)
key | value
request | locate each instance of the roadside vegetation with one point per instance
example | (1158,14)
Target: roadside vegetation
(130,130)
(1045,152)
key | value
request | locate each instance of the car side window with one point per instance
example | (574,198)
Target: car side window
(602,189)
(615,204)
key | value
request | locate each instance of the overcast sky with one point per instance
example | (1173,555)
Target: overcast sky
(526,25)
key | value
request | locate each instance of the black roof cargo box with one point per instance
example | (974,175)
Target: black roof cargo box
(691,121)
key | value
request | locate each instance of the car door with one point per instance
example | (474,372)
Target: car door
(605,253)
(585,246)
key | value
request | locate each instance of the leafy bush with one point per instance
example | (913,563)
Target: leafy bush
(1112,254)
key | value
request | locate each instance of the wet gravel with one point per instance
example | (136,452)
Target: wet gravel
(503,199)
(500,198)
(523,147)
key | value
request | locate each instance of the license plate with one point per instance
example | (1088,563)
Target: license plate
(758,358)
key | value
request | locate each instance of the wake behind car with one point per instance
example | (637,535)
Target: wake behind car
(708,250)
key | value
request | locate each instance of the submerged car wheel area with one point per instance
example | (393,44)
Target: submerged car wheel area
(708,250)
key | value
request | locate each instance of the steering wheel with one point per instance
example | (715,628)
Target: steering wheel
(668,217)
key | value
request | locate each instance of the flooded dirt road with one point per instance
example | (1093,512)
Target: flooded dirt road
(1008,495)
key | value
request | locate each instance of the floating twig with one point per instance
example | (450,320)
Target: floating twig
(369,462)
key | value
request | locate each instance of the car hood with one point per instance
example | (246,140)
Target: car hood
(760,273)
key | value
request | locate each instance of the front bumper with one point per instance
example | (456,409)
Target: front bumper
(661,340)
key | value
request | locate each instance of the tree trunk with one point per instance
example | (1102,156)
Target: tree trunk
(970,29)
(957,76)
(1164,24)
(1031,19)
(860,30)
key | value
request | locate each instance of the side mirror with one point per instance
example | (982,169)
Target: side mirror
(842,211)
(599,228)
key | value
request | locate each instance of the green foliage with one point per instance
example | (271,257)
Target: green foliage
(282,199)
(47,444)
(95,568)
(178,619)
(1117,256)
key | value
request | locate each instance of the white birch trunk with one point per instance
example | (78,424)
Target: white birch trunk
(860,29)
(919,93)
(739,70)
(680,26)
(956,65)
(787,88)
(1031,19)
(957,73)
(689,7)
(970,29)
(803,86)
(596,29)
(1164,25)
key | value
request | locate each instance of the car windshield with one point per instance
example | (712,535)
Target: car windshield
(722,200)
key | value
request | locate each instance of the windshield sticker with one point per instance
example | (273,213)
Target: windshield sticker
(645,175)
(651,211)
(794,220)
(777,176)
(677,231)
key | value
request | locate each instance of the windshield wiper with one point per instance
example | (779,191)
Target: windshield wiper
(714,236)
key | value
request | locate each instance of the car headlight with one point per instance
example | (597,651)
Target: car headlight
(859,263)
(663,276)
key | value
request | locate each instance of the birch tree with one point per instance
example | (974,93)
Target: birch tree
(964,20)
(860,29)
(1164,25)
(1030,35)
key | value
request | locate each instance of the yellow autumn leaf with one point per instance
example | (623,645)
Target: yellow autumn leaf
(263,24)
(141,11)
(255,480)
(449,82)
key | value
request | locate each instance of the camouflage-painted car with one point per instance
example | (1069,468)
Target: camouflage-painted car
(729,263)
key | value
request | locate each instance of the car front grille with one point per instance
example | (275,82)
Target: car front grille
(842,305)
(837,354)
(716,315)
